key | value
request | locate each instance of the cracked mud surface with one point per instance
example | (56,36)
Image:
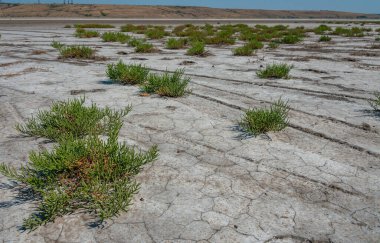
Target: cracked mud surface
(318,180)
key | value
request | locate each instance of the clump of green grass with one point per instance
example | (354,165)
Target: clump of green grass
(78,52)
(353,32)
(324,38)
(144,48)
(93,175)
(291,39)
(115,37)
(376,103)
(245,50)
(156,32)
(260,121)
(275,71)
(254,44)
(167,84)
(135,42)
(94,26)
(127,74)
(197,48)
(320,30)
(138,29)
(71,119)
(56,44)
(82,33)
(174,43)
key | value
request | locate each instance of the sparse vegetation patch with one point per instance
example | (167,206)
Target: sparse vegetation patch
(375,104)
(82,33)
(275,71)
(115,37)
(127,74)
(324,38)
(173,43)
(94,26)
(259,120)
(78,52)
(197,48)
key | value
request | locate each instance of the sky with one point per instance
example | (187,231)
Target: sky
(362,6)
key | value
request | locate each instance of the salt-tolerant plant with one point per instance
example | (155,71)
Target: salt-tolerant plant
(291,39)
(115,37)
(173,43)
(273,45)
(155,33)
(71,119)
(144,48)
(127,74)
(324,38)
(95,26)
(322,29)
(275,71)
(375,104)
(78,52)
(245,50)
(254,44)
(90,175)
(56,44)
(135,42)
(167,84)
(82,33)
(197,48)
(260,120)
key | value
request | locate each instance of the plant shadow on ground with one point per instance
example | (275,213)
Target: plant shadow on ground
(244,135)
(371,113)
(23,195)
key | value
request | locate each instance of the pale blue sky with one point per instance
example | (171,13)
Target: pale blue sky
(364,6)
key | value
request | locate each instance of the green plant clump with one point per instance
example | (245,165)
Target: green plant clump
(171,85)
(291,39)
(324,38)
(155,33)
(79,52)
(376,103)
(174,43)
(144,48)
(245,50)
(273,45)
(127,74)
(275,71)
(82,33)
(254,44)
(322,29)
(94,26)
(93,175)
(115,37)
(259,121)
(57,45)
(71,119)
(197,48)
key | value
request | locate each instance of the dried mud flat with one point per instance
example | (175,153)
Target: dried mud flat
(316,181)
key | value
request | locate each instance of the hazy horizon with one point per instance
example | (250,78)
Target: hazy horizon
(363,6)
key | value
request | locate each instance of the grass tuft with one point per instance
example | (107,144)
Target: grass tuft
(115,37)
(174,43)
(94,26)
(71,119)
(78,52)
(82,33)
(275,71)
(324,38)
(57,45)
(127,74)
(376,103)
(197,48)
(144,48)
(167,84)
(245,50)
(259,121)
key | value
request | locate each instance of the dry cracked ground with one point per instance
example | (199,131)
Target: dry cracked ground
(316,181)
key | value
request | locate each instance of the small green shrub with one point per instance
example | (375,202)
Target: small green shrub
(71,119)
(324,38)
(155,33)
(259,121)
(82,33)
(353,32)
(135,42)
(78,52)
(127,74)
(94,26)
(275,71)
(56,45)
(245,50)
(376,103)
(174,43)
(138,29)
(291,39)
(115,37)
(197,48)
(144,48)
(320,30)
(254,44)
(91,175)
(171,85)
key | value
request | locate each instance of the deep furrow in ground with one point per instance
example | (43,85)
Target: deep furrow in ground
(297,127)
